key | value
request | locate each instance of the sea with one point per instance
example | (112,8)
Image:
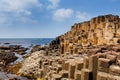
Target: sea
(25,42)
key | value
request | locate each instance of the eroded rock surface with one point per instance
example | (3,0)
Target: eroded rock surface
(89,51)
(6,58)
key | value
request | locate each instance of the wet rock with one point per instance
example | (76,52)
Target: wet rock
(13,48)
(6,58)
(55,43)
(36,48)
(6,43)
(5,47)
(21,51)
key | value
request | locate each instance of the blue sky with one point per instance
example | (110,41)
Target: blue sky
(49,18)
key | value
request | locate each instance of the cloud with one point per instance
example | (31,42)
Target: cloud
(81,16)
(17,10)
(53,4)
(24,13)
(16,5)
(62,14)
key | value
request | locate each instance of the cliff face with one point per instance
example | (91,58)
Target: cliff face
(101,30)
(89,51)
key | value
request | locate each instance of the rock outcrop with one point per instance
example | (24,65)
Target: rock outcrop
(89,51)
(13,48)
(6,58)
(35,48)
(31,64)
(101,30)
(102,63)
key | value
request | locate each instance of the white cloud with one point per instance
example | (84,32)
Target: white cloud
(82,16)
(24,13)
(62,14)
(16,10)
(16,5)
(53,4)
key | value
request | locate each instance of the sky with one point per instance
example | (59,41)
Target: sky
(49,18)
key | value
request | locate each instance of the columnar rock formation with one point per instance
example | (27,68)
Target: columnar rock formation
(89,51)
(102,63)
(84,37)
(101,30)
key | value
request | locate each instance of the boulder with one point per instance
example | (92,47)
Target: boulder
(7,58)
(35,48)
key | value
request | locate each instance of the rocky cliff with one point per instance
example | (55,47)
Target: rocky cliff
(101,30)
(89,51)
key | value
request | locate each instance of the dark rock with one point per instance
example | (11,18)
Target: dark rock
(6,43)
(6,58)
(21,50)
(15,46)
(5,47)
(36,48)
(55,43)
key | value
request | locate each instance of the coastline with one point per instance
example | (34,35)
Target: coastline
(8,46)
(89,51)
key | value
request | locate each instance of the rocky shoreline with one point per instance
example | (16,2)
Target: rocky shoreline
(89,51)
(55,66)
(10,55)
